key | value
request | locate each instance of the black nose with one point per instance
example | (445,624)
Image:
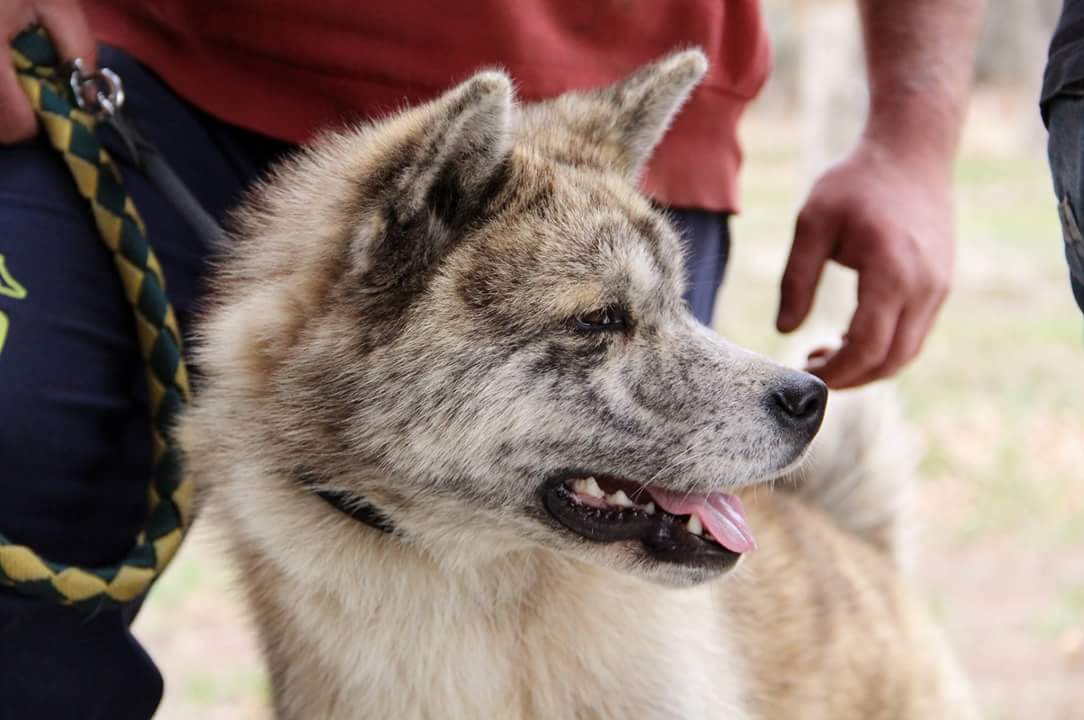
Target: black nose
(798,401)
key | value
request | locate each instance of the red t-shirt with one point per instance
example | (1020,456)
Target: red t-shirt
(287,68)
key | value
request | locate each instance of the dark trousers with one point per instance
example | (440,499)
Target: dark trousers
(1066,152)
(74,438)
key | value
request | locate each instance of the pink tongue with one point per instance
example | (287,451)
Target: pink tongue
(722,515)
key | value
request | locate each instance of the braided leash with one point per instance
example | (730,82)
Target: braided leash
(71,131)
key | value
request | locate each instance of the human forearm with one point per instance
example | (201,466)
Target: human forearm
(886,209)
(919,56)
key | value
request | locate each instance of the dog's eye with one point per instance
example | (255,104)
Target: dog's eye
(607,318)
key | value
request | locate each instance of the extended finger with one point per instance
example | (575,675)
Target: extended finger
(814,238)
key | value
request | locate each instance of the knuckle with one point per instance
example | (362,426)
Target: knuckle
(935,277)
(929,291)
(901,253)
(891,285)
(942,282)
(919,281)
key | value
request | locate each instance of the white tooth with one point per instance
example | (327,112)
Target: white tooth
(620,499)
(695,527)
(650,508)
(580,487)
(590,487)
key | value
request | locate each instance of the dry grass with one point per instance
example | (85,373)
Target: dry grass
(998,398)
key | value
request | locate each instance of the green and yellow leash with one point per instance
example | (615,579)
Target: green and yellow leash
(70,130)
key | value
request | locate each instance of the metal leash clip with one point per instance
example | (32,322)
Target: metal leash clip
(100,93)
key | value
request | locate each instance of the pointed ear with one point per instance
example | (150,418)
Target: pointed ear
(641,107)
(457,150)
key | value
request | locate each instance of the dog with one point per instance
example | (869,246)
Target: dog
(474,458)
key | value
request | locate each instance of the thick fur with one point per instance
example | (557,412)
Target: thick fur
(398,324)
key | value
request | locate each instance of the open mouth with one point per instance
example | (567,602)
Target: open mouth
(689,529)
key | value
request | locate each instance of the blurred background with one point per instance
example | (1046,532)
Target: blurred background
(997,397)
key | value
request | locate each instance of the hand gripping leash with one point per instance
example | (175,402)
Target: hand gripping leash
(69,109)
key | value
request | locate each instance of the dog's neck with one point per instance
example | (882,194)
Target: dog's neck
(533,613)
(479,634)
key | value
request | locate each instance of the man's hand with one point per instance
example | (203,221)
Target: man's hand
(889,218)
(65,23)
(886,210)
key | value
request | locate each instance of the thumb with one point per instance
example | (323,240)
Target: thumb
(814,239)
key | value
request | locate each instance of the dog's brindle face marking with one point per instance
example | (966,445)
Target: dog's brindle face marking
(446,357)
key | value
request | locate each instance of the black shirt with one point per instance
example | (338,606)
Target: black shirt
(1065,67)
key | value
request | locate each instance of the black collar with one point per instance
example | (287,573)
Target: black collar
(355,506)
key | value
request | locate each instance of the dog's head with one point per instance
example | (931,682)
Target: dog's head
(468,315)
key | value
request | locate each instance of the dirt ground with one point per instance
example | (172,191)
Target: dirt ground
(997,400)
